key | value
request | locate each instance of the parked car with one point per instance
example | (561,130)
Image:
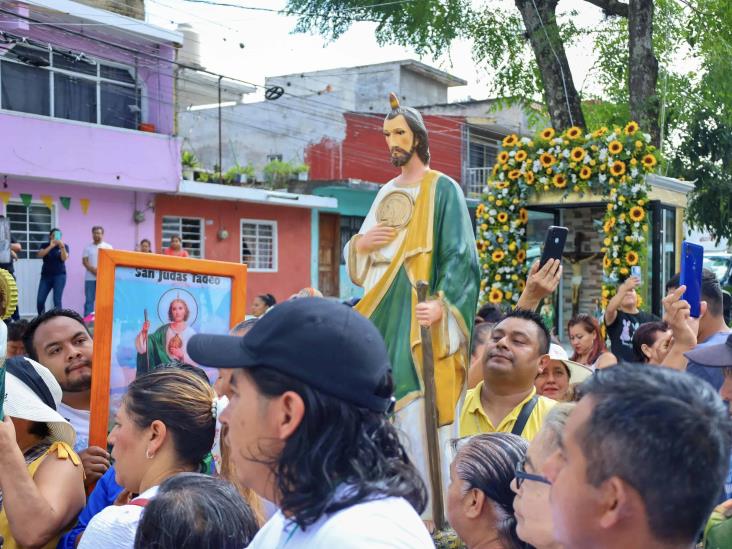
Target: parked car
(721,265)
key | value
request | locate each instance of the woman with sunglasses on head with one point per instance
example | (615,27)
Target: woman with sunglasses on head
(479,498)
(531,505)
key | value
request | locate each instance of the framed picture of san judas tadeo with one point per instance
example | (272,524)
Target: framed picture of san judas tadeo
(147,308)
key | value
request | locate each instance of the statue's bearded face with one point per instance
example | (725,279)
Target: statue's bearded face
(399,139)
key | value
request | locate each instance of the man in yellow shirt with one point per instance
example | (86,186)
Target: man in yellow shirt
(506,400)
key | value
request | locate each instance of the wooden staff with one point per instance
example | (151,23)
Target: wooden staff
(430,415)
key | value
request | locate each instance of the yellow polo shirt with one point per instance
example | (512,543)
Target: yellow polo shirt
(474,420)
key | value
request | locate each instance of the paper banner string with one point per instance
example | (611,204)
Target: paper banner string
(26,198)
(65,201)
(84,202)
(5,197)
(47,200)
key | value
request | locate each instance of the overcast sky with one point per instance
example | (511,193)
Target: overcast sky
(271,48)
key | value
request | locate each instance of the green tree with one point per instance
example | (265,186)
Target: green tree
(523,46)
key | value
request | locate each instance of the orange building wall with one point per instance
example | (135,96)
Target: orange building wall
(293,239)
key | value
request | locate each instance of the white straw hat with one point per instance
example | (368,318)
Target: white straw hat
(22,401)
(577,372)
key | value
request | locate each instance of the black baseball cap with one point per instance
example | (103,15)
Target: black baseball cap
(713,356)
(322,343)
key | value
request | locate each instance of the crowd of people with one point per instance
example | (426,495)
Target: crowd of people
(55,253)
(600,449)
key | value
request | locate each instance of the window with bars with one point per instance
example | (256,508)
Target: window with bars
(259,245)
(350,225)
(190,230)
(30,226)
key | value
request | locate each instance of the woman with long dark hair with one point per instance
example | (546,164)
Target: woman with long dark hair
(588,343)
(479,498)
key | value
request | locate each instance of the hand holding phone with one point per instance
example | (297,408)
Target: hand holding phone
(692,257)
(554,242)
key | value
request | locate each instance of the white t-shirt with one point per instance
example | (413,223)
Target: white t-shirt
(390,522)
(115,526)
(91,252)
(79,420)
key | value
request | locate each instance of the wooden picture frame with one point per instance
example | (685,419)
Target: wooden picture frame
(139,276)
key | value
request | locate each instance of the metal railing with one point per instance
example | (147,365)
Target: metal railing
(475,181)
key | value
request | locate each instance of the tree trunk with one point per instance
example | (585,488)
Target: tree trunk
(560,93)
(644,101)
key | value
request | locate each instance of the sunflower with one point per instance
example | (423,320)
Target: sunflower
(496,296)
(521,256)
(513,175)
(578,154)
(547,160)
(609,224)
(631,127)
(480,209)
(615,147)
(574,132)
(497,256)
(524,216)
(529,178)
(502,184)
(631,258)
(521,156)
(547,134)
(637,213)
(618,168)
(495,169)
(606,262)
(585,173)
(560,181)
(502,157)
(481,245)
(623,271)
(502,217)
(510,140)
(520,285)
(649,161)
(599,132)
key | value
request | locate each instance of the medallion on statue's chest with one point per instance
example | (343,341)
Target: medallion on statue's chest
(395,209)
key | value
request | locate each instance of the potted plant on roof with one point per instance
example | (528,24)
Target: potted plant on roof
(189,163)
(239,175)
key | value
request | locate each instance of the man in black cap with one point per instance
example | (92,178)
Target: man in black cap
(310,390)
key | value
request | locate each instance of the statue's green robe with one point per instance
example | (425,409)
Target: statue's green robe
(157,353)
(438,247)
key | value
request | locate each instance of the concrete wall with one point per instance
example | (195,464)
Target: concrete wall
(110,208)
(293,239)
(306,124)
(417,89)
(52,149)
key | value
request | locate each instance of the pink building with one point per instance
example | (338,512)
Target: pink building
(87,118)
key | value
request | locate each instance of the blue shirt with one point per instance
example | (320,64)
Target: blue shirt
(52,263)
(713,376)
(103,495)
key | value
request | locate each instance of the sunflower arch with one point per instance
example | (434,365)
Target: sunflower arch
(609,163)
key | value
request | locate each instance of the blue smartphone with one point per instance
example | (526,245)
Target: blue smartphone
(692,257)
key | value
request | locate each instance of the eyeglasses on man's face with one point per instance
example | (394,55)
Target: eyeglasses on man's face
(522,475)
